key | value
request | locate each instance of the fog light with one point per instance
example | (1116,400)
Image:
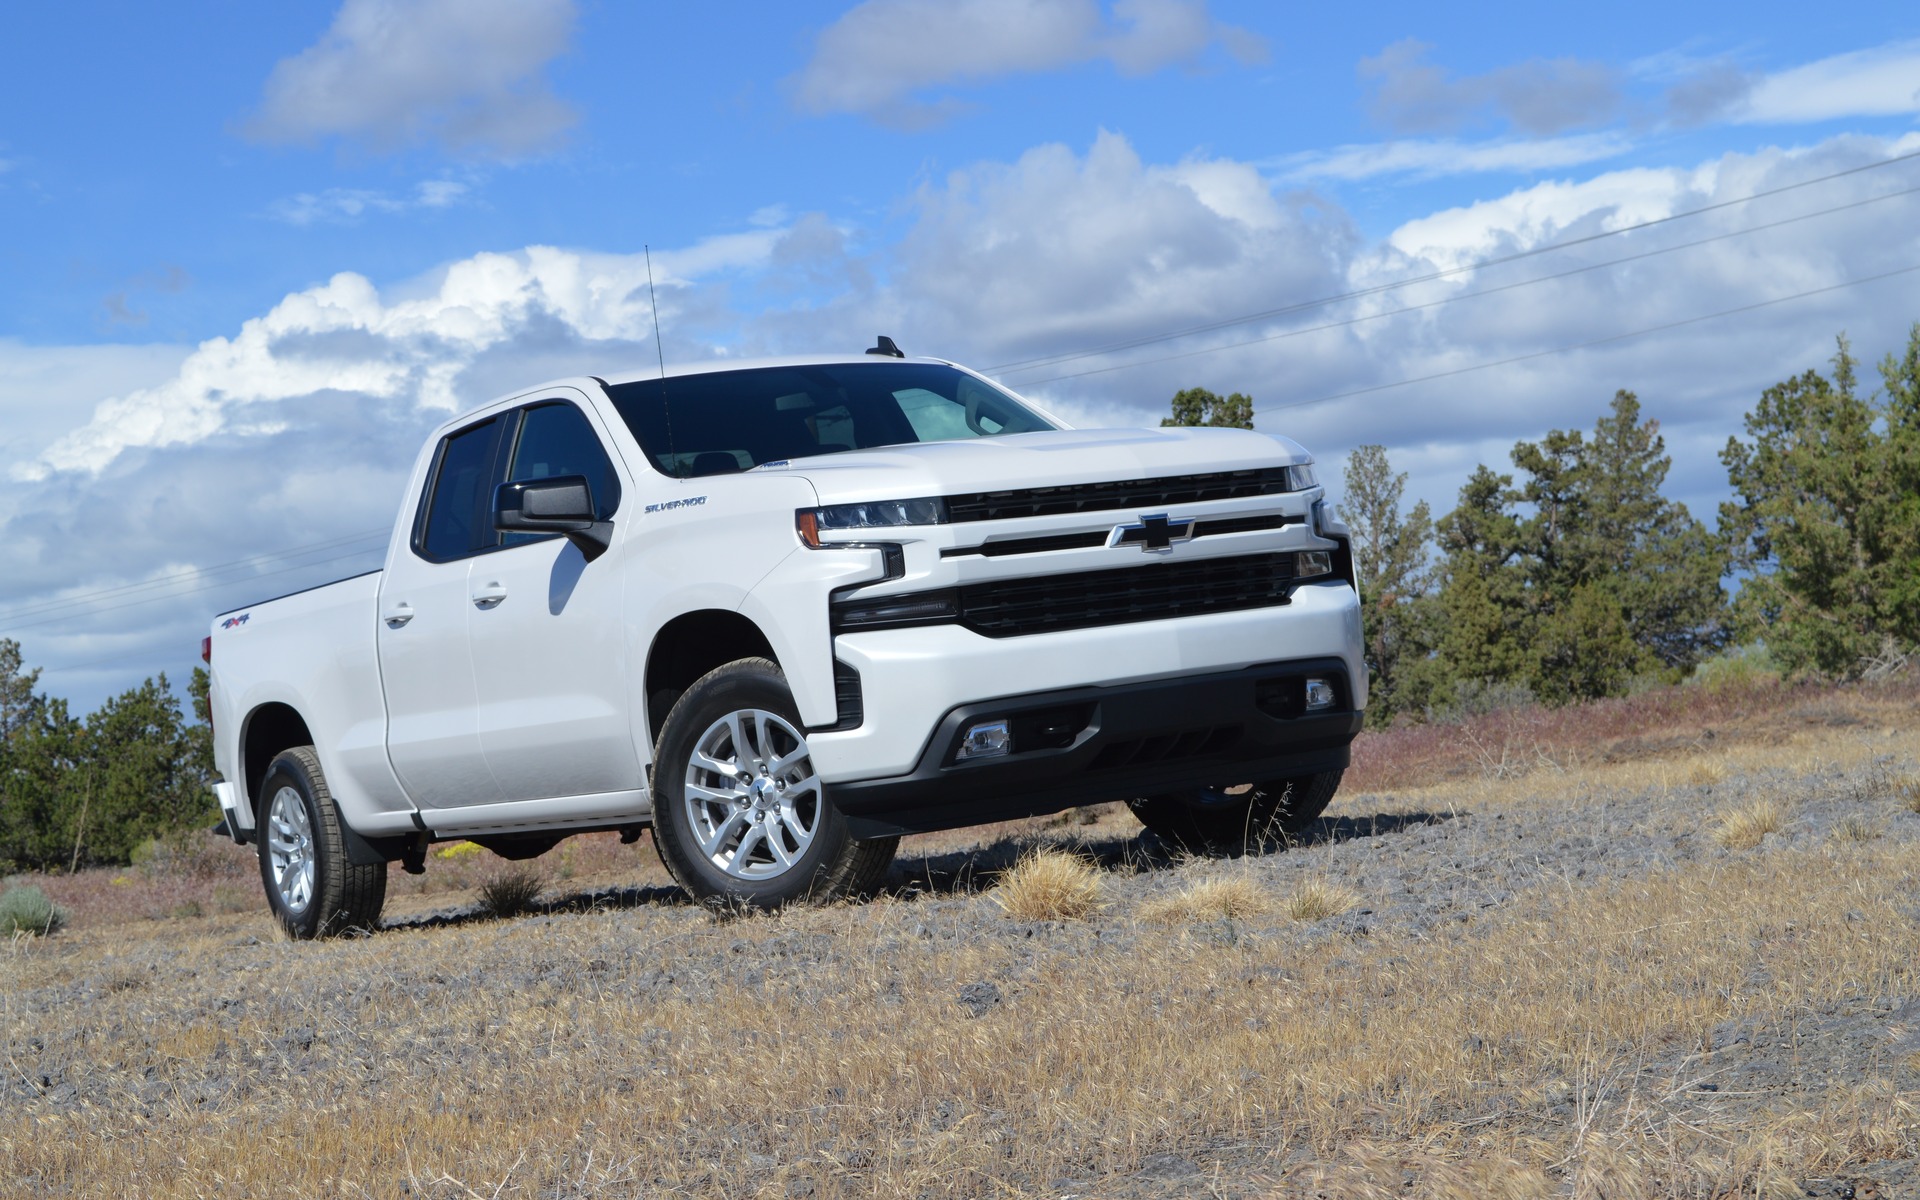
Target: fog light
(985,740)
(1309,563)
(1320,694)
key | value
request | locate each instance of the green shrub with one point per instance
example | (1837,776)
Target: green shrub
(1736,667)
(26,909)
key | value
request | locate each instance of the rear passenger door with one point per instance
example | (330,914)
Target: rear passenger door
(426,669)
(549,650)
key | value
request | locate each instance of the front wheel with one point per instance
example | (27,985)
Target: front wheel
(740,816)
(314,889)
(1232,820)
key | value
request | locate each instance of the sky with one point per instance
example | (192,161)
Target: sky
(251,254)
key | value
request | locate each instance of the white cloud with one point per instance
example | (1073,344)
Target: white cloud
(343,206)
(467,74)
(1880,82)
(883,54)
(1429,159)
(416,348)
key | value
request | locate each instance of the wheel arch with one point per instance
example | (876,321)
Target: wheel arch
(268,730)
(690,645)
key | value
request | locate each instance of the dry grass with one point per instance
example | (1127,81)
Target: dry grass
(511,892)
(1049,885)
(1378,1061)
(1906,791)
(1318,899)
(1545,1049)
(1746,826)
(1857,829)
(1230,897)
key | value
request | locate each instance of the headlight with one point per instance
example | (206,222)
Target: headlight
(878,514)
(1300,478)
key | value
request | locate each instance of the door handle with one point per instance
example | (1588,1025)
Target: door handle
(398,615)
(488,595)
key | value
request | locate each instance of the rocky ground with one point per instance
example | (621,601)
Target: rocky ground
(1548,981)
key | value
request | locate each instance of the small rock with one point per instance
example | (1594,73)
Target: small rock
(979,996)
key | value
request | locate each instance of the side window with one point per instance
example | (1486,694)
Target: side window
(455,524)
(555,439)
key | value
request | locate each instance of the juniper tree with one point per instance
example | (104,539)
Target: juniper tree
(1825,526)
(1391,557)
(1198,406)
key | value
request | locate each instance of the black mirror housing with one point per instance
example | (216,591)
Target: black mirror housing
(562,504)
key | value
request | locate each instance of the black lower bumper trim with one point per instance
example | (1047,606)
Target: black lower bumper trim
(1133,740)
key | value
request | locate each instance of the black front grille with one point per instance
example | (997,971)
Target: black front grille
(1047,603)
(1121,494)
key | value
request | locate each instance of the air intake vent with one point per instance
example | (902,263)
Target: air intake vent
(1081,600)
(1135,494)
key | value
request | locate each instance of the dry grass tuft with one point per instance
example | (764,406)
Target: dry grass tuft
(1745,827)
(1907,792)
(511,892)
(1705,774)
(1049,885)
(1234,897)
(1318,899)
(1856,829)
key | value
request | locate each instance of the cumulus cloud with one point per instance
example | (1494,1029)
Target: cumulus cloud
(1538,97)
(467,74)
(882,56)
(344,338)
(345,206)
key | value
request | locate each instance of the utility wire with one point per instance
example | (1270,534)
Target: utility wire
(1488,291)
(1618,337)
(218,583)
(81,598)
(1305,305)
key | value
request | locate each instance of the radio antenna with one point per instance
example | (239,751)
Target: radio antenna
(660,349)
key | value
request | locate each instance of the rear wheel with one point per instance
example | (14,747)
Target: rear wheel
(1238,819)
(313,888)
(740,816)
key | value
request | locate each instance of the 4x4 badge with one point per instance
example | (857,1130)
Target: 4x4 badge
(1154,533)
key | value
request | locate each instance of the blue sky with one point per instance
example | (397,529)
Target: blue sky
(250,253)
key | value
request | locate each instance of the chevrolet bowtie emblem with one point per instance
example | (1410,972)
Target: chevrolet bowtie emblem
(1153,533)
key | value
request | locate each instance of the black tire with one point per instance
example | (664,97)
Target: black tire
(1237,820)
(828,865)
(341,895)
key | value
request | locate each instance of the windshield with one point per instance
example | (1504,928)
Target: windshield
(723,421)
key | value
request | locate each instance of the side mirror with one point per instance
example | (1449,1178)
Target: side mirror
(563,504)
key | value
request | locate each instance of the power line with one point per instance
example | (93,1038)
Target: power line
(218,583)
(68,601)
(1482,264)
(1618,337)
(1488,291)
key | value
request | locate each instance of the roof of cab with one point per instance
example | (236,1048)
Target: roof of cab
(748,364)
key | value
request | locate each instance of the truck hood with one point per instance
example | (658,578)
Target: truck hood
(1047,459)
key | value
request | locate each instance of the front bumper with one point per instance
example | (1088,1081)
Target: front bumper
(1113,743)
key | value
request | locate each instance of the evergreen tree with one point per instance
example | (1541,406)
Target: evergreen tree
(1391,553)
(76,793)
(20,707)
(1826,524)
(1198,406)
(1484,607)
(1601,526)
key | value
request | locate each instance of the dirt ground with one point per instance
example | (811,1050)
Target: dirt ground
(1544,956)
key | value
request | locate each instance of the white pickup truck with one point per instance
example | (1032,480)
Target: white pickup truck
(783,612)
